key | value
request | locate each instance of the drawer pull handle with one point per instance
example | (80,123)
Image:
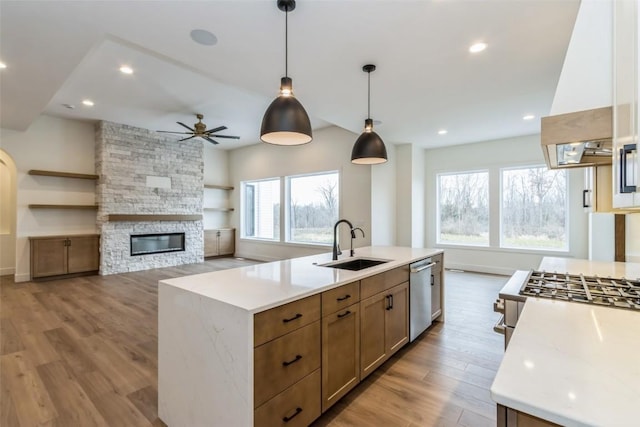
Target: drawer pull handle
(346,313)
(287,419)
(343,298)
(297,316)
(298,357)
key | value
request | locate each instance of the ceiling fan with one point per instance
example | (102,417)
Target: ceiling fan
(200,130)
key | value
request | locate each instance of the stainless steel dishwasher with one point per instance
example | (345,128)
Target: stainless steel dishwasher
(419,297)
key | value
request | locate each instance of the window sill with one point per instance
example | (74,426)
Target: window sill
(289,244)
(546,252)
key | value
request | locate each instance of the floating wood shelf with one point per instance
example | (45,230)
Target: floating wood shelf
(152,217)
(87,207)
(218,187)
(62,174)
(219,209)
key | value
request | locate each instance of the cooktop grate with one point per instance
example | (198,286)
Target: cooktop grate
(610,292)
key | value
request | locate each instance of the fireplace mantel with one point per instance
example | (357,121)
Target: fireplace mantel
(152,217)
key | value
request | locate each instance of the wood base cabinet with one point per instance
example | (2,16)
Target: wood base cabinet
(340,342)
(219,242)
(384,327)
(60,255)
(508,417)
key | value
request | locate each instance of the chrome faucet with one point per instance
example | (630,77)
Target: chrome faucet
(336,248)
(353,236)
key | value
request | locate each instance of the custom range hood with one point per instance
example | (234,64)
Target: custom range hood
(579,139)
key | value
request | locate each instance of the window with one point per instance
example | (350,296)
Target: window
(534,208)
(463,208)
(261,209)
(312,207)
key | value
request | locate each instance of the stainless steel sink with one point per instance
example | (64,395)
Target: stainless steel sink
(355,264)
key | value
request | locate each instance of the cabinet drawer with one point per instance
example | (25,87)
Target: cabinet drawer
(280,320)
(297,406)
(437,268)
(284,361)
(383,281)
(340,298)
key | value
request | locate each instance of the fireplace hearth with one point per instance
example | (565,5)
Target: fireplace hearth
(145,244)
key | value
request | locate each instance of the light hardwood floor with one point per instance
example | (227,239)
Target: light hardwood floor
(83,352)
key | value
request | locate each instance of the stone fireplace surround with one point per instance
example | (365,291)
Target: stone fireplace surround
(154,178)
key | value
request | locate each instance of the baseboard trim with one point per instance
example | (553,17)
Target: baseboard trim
(7,271)
(24,277)
(255,257)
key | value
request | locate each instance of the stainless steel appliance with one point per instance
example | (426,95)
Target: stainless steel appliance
(610,292)
(419,297)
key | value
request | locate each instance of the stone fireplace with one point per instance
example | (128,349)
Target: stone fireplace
(149,185)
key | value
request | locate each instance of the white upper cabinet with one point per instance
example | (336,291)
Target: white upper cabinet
(626,166)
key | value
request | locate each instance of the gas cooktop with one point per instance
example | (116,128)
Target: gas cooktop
(609,292)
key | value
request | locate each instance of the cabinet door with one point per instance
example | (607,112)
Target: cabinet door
(83,254)
(372,332)
(210,243)
(226,242)
(397,319)
(48,257)
(340,354)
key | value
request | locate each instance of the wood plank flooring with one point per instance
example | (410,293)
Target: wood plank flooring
(83,352)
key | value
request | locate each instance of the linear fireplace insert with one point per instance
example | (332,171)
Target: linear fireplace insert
(145,244)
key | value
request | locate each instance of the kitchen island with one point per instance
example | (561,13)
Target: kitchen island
(216,328)
(572,363)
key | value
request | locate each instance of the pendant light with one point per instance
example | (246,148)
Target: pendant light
(369,148)
(286,122)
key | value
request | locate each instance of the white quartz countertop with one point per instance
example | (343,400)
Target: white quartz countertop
(259,287)
(628,270)
(573,364)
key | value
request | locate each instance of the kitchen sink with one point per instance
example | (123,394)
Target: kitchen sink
(355,264)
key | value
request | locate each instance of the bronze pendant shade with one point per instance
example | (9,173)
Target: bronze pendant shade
(286,122)
(369,148)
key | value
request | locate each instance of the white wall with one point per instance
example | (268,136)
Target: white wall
(216,171)
(51,144)
(7,214)
(493,155)
(384,200)
(409,187)
(329,150)
(586,78)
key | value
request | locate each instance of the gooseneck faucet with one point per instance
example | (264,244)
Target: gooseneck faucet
(336,251)
(353,236)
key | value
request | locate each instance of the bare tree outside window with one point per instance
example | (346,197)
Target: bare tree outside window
(463,208)
(534,208)
(313,207)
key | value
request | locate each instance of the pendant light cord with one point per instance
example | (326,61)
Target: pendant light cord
(286,42)
(369,95)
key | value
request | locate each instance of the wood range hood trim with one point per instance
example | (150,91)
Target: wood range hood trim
(152,217)
(580,126)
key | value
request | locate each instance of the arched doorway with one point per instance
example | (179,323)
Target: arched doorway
(7,214)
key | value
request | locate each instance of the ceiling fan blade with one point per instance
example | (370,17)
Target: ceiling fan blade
(184,139)
(183,125)
(214,130)
(226,136)
(169,131)
(210,140)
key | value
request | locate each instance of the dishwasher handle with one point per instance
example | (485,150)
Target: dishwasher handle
(422,267)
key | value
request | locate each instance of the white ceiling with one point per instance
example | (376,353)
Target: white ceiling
(60,52)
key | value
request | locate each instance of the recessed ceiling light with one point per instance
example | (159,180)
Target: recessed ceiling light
(377,122)
(69,106)
(477,47)
(87,102)
(204,37)
(442,132)
(528,117)
(3,65)
(126,70)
